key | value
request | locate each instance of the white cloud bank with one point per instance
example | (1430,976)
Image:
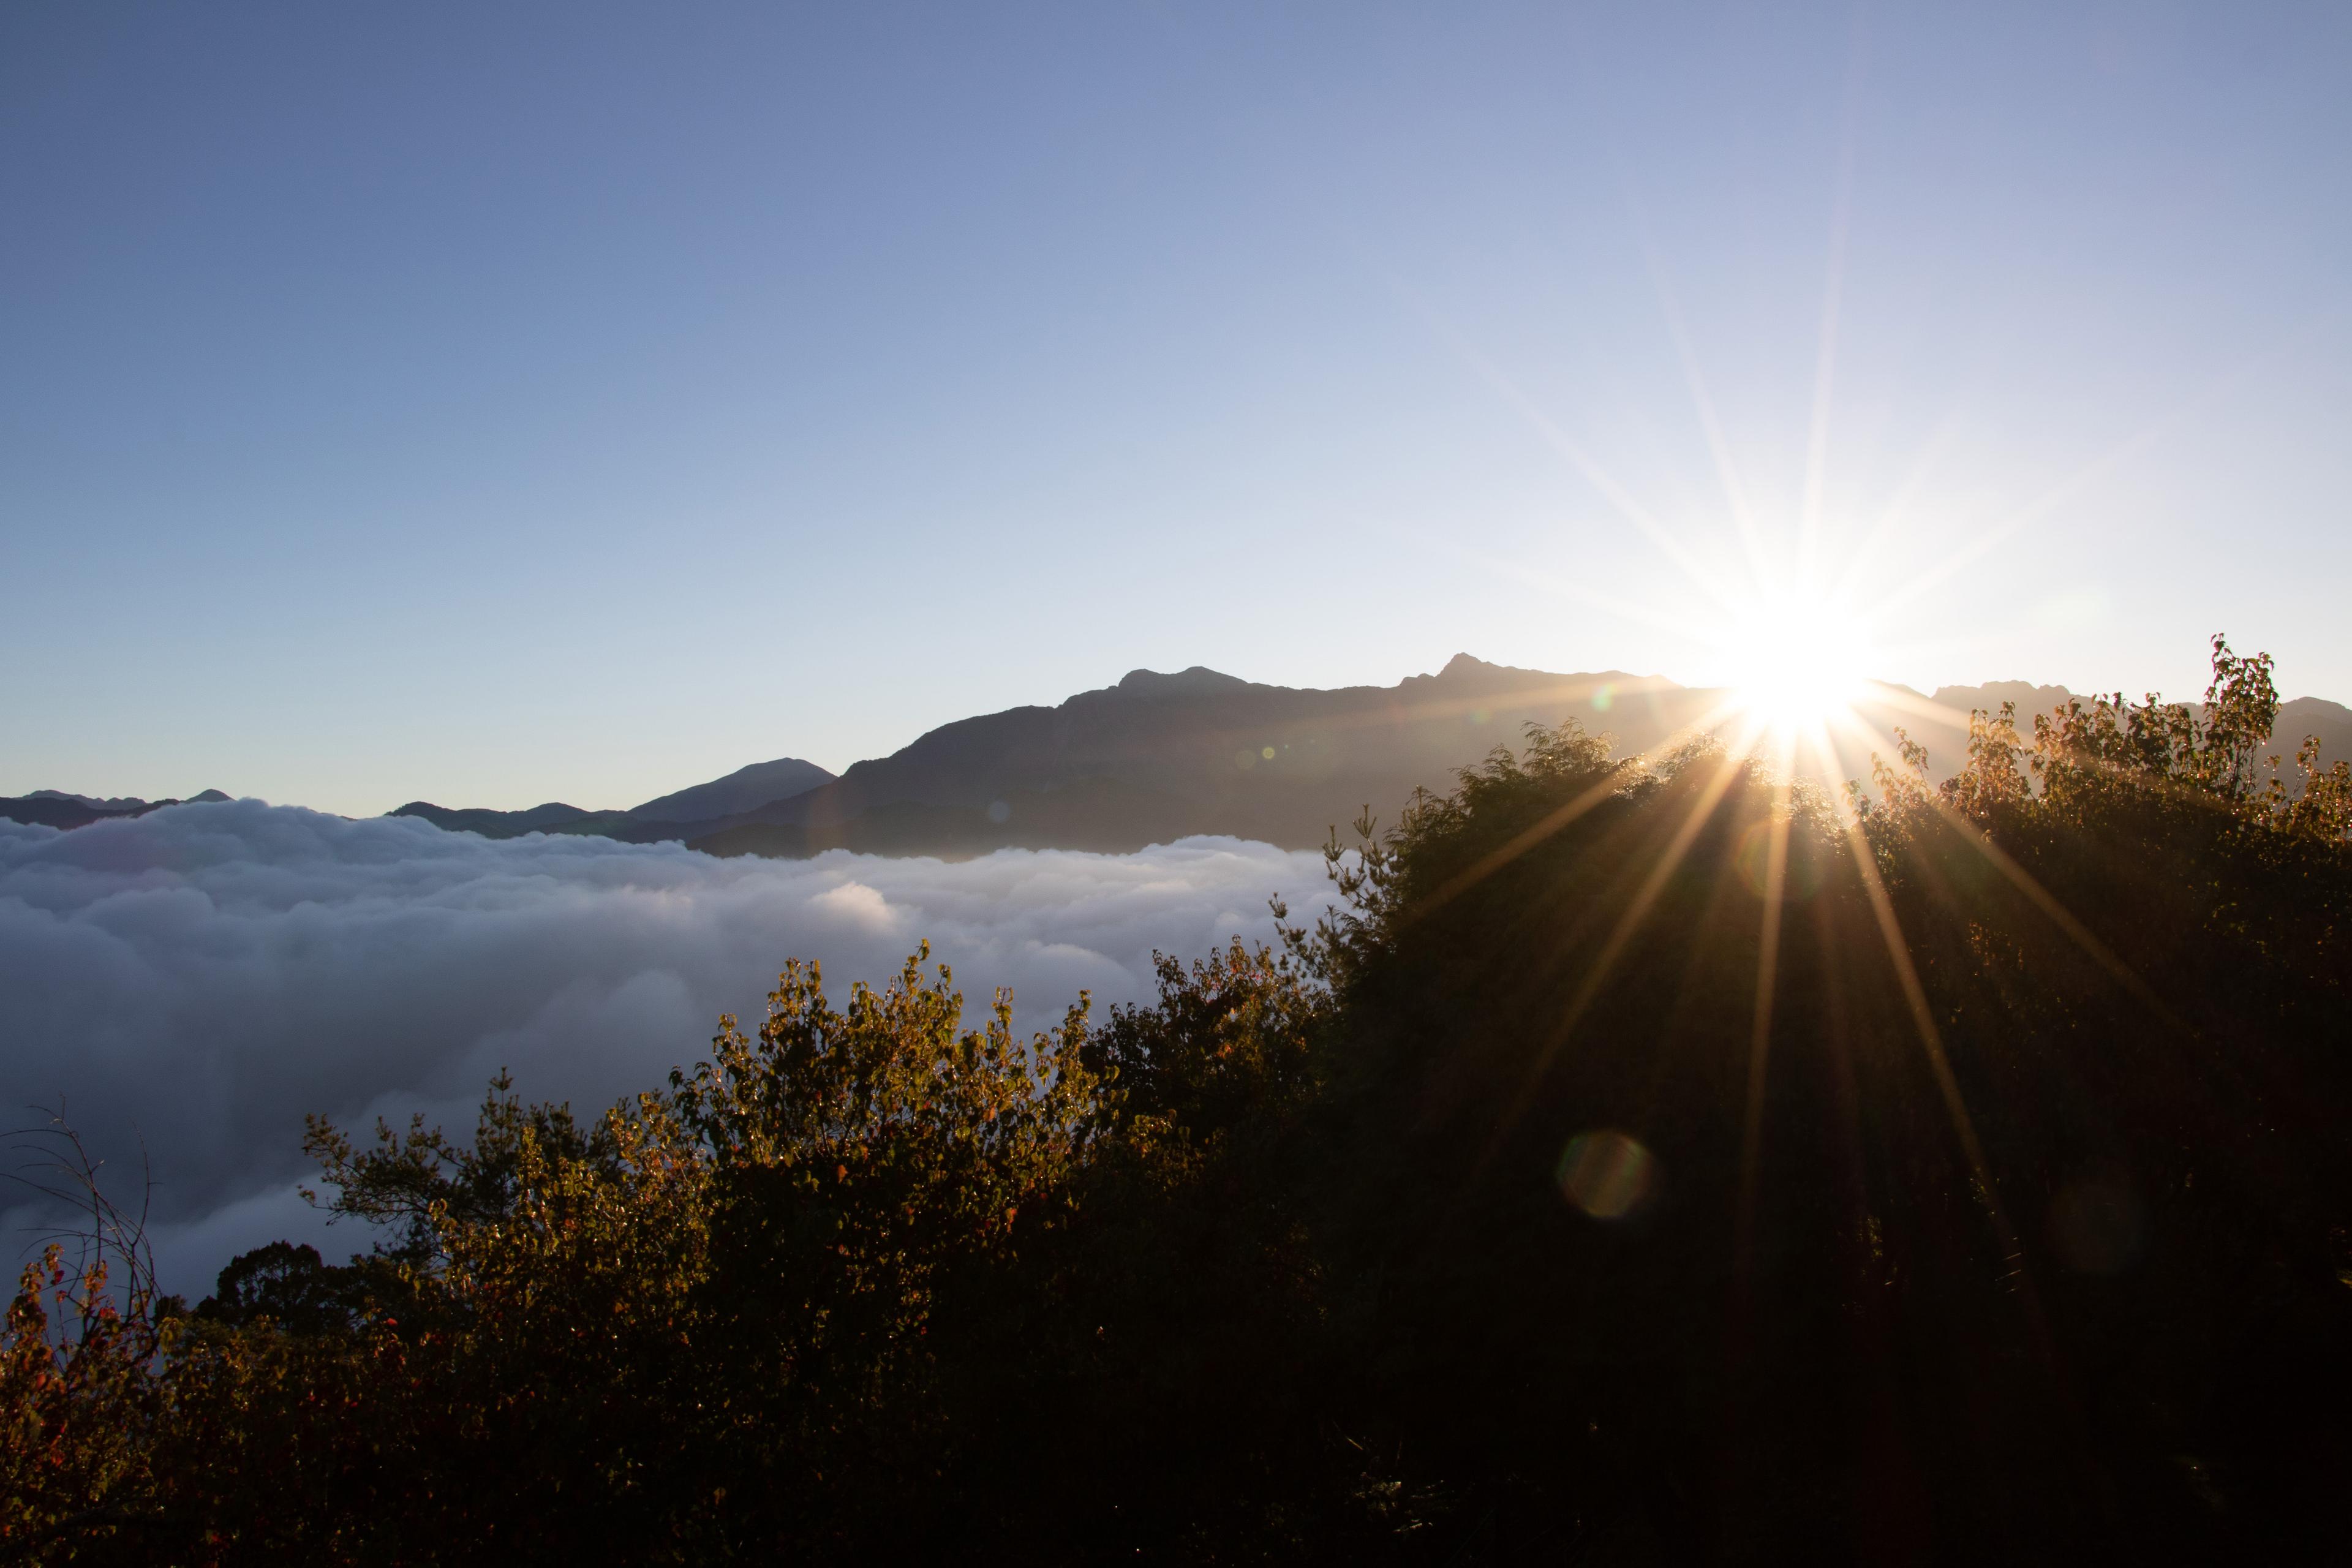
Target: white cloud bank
(194,979)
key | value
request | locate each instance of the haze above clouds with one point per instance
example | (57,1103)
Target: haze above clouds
(198,979)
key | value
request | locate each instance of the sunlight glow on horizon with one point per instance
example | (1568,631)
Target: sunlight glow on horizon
(1800,660)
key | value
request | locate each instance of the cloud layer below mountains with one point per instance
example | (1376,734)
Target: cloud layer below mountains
(196,979)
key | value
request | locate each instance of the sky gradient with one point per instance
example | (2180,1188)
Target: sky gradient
(501,405)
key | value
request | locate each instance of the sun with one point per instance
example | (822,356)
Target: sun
(1797,661)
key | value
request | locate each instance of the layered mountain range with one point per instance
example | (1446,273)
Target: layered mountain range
(1154,758)
(1157,757)
(1160,756)
(679,815)
(56,808)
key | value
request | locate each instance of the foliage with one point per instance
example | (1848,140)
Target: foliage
(1650,1161)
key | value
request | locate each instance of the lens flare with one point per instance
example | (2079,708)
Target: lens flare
(1606,1175)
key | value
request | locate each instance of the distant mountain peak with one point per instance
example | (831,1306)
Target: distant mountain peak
(1199,680)
(2029,697)
(742,790)
(1467,674)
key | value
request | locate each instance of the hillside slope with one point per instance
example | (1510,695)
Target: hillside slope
(1159,756)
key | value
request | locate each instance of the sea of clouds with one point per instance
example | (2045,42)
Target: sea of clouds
(185,985)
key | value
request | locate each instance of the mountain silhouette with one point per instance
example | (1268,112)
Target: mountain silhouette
(1160,756)
(552,818)
(1156,757)
(743,790)
(56,808)
(698,807)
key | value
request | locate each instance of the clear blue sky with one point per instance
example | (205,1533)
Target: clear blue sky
(498,403)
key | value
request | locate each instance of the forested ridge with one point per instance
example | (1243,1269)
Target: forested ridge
(1654,1162)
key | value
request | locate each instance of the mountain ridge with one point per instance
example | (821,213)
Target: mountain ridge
(1161,755)
(59,809)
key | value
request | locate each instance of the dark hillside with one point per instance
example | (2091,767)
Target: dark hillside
(745,789)
(1157,756)
(552,818)
(1160,756)
(55,808)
